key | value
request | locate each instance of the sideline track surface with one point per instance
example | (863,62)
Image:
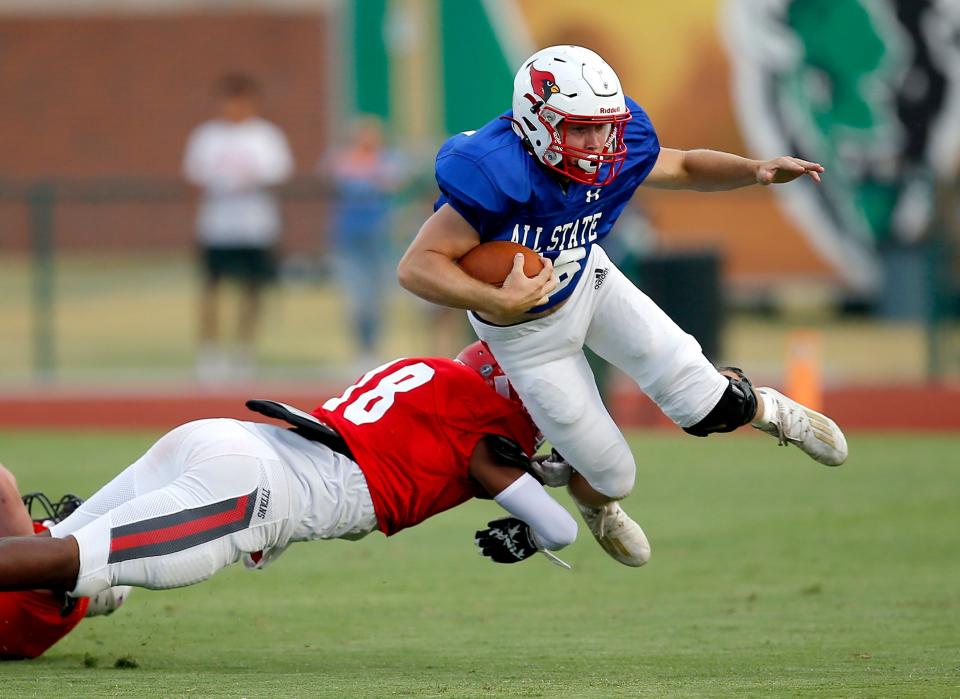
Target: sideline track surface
(894,407)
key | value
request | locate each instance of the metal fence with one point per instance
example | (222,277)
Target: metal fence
(98,283)
(98,279)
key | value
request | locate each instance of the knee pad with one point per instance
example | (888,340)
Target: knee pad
(736,406)
(617,481)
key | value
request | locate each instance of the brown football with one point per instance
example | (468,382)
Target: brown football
(491,262)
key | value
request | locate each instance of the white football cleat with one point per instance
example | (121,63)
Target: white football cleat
(792,423)
(616,533)
(107,602)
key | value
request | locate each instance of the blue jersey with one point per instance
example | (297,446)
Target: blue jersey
(505,193)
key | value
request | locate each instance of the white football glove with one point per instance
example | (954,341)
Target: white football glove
(552,469)
(108,601)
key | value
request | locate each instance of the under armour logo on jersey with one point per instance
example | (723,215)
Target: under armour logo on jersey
(592,195)
(599,274)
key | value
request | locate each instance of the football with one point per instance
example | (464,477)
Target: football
(491,262)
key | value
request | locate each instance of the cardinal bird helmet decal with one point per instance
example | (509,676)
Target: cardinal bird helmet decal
(544,84)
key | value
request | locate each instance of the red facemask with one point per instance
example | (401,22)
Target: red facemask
(603,165)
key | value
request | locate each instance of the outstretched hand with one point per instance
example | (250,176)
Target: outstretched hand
(510,540)
(787,169)
(506,540)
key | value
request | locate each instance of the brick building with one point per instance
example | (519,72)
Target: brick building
(94,94)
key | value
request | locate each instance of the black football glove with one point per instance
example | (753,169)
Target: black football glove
(509,540)
(506,540)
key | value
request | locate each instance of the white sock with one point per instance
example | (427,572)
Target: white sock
(93,541)
(769,410)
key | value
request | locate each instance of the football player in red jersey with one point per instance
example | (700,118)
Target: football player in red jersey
(410,439)
(33,620)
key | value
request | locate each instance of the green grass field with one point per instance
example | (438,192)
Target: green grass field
(771,576)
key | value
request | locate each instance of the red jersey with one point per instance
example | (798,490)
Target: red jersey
(32,621)
(412,426)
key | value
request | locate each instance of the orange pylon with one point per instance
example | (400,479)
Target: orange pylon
(804,381)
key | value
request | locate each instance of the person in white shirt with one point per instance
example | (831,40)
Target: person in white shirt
(236,160)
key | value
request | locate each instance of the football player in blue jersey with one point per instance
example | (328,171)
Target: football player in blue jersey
(554,174)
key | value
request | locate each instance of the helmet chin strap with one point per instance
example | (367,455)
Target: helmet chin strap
(502,386)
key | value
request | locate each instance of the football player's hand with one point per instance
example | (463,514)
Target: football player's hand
(506,540)
(509,540)
(552,469)
(787,169)
(520,293)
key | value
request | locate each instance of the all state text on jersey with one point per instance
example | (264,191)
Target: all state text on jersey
(573,234)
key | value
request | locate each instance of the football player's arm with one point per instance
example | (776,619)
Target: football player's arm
(522,496)
(14,518)
(429,270)
(713,171)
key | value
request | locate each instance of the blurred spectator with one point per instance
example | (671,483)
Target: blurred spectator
(365,175)
(447,328)
(235,160)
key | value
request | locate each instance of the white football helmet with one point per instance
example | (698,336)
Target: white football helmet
(564,86)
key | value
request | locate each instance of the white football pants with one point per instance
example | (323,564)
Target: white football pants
(206,494)
(544,361)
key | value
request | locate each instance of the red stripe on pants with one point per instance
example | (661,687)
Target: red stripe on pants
(178,531)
